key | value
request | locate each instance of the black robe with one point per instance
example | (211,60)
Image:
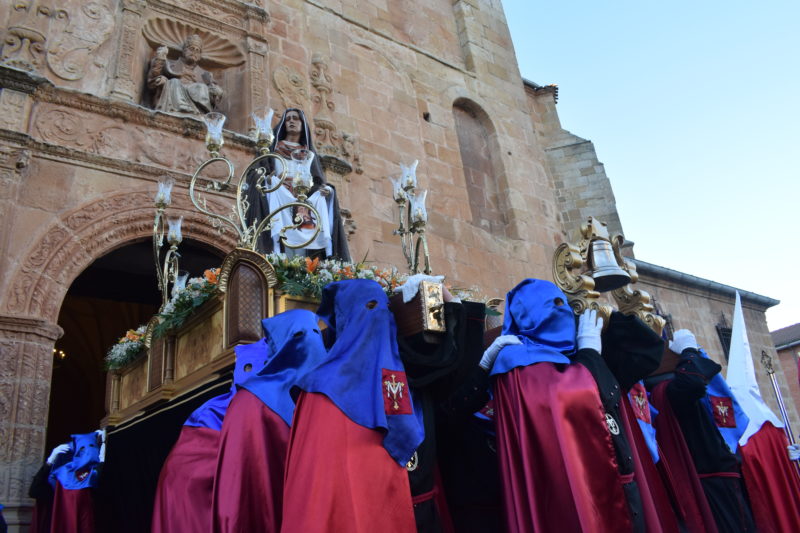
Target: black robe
(717,467)
(448,384)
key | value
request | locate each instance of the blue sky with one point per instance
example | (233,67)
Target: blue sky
(694,110)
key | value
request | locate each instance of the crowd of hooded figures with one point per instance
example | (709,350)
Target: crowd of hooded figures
(335,423)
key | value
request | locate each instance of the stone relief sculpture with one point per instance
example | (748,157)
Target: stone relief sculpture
(338,150)
(179,75)
(64,37)
(182,86)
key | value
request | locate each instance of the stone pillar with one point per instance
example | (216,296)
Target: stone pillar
(257,60)
(26,365)
(123,85)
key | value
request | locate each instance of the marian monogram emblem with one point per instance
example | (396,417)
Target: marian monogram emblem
(641,407)
(396,399)
(722,408)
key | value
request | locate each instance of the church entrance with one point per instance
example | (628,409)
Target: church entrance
(117,292)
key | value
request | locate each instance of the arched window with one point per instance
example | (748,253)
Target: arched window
(483,170)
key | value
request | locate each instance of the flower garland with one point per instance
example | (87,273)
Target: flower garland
(127,348)
(185,300)
(303,276)
(182,304)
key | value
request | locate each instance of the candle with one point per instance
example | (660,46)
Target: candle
(163,196)
(174,232)
(214,122)
(263,125)
(409,177)
(418,211)
(398,193)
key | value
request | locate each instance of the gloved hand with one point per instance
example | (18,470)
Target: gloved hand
(682,339)
(411,286)
(58,450)
(101,436)
(491,352)
(589,328)
(794,452)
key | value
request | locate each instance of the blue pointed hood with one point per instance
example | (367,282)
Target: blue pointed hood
(536,312)
(295,339)
(362,373)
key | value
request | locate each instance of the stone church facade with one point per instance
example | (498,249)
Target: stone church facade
(82,148)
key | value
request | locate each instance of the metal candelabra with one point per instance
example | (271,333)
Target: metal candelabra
(413,218)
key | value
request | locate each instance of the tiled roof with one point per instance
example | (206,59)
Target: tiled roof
(786,336)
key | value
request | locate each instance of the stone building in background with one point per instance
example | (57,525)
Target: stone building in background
(82,148)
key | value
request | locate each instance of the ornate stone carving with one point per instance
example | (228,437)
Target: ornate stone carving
(348,222)
(292,87)
(66,249)
(351,150)
(107,138)
(65,38)
(90,26)
(14,109)
(330,142)
(29,27)
(218,51)
(123,85)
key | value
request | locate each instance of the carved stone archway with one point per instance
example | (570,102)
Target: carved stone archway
(30,307)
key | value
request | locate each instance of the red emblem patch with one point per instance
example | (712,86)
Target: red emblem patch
(723,411)
(488,409)
(640,404)
(396,398)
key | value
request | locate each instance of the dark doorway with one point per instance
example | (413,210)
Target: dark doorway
(116,293)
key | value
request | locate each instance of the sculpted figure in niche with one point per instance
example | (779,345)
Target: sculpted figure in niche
(181,85)
(292,133)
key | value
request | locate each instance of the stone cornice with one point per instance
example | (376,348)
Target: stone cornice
(649,271)
(93,160)
(20,80)
(134,114)
(33,326)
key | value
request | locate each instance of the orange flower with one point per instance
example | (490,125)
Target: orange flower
(311,266)
(348,272)
(131,335)
(211,275)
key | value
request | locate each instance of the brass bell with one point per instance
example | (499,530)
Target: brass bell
(606,273)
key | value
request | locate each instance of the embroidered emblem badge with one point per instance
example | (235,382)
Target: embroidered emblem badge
(413,463)
(396,399)
(722,408)
(612,424)
(640,404)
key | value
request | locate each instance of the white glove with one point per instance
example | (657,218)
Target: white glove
(589,327)
(682,339)
(58,450)
(101,436)
(794,452)
(491,352)
(411,286)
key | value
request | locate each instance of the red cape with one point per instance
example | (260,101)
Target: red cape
(73,511)
(677,467)
(557,460)
(658,512)
(771,480)
(339,477)
(248,487)
(183,496)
